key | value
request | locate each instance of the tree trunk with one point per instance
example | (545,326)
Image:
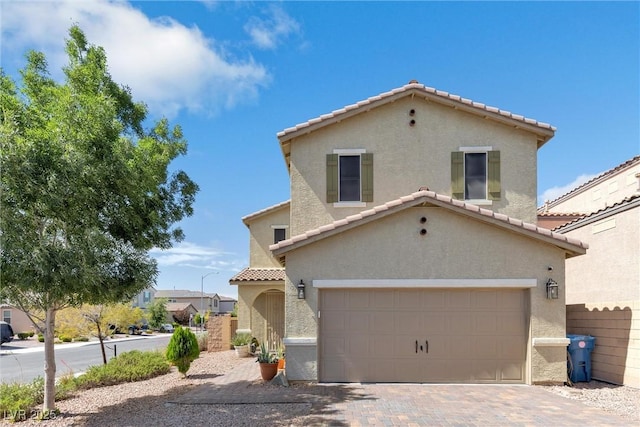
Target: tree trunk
(49,362)
(101,338)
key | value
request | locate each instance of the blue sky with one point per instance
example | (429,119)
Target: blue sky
(233,74)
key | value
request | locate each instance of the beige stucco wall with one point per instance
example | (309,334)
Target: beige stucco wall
(616,328)
(19,320)
(261,236)
(249,318)
(455,247)
(601,193)
(409,157)
(610,271)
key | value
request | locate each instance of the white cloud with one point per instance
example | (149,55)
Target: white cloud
(187,254)
(555,192)
(167,65)
(268,33)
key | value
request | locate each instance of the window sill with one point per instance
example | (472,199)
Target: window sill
(479,202)
(349,205)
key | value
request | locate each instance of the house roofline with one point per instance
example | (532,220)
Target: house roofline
(544,131)
(571,246)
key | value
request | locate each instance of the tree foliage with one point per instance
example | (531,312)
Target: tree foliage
(157,312)
(183,349)
(85,189)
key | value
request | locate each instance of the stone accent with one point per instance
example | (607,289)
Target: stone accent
(219,329)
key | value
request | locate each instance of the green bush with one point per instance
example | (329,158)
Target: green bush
(128,367)
(82,339)
(40,338)
(65,338)
(18,400)
(24,335)
(31,333)
(182,349)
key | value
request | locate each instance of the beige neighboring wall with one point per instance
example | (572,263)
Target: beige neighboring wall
(602,191)
(455,247)
(409,157)
(610,271)
(19,320)
(616,328)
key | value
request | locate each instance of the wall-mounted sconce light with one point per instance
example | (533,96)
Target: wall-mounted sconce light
(552,289)
(301,286)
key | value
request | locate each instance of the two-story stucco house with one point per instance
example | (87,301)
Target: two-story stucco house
(411,252)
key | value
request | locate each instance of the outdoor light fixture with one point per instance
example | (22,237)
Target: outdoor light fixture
(552,289)
(301,286)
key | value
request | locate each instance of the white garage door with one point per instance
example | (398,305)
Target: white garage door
(407,335)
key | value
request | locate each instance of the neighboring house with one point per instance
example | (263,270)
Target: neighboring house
(180,312)
(144,298)
(261,285)
(203,302)
(603,287)
(387,280)
(227,304)
(17,318)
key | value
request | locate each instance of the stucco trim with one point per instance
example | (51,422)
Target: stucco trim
(551,342)
(425,283)
(300,341)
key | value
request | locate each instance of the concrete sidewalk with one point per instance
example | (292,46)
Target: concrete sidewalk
(404,404)
(32,345)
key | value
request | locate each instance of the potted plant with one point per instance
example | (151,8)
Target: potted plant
(268,363)
(281,363)
(241,343)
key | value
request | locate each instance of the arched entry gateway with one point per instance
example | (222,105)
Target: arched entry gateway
(268,318)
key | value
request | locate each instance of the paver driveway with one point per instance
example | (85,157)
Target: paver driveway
(405,404)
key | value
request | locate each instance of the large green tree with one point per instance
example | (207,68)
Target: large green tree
(85,190)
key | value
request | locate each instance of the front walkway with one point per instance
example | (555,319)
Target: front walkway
(404,404)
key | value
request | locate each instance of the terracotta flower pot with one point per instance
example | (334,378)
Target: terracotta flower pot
(268,370)
(281,364)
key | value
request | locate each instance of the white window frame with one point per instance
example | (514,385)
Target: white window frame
(349,152)
(6,314)
(481,149)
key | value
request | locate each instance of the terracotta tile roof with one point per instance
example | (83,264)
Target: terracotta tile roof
(629,201)
(259,275)
(248,218)
(544,130)
(571,245)
(559,214)
(598,178)
(178,306)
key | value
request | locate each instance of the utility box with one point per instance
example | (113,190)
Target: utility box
(579,363)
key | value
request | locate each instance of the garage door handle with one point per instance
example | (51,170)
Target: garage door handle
(416,346)
(427,342)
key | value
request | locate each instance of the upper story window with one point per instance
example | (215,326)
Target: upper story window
(349,177)
(475,174)
(279,233)
(215,303)
(146,296)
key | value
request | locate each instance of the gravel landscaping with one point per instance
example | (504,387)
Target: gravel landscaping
(145,403)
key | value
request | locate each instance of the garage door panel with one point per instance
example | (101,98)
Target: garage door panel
(472,335)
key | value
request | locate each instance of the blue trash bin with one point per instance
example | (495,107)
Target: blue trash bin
(579,365)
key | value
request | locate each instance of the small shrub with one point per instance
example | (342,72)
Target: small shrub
(203,340)
(17,400)
(65,338)
(82,339)
(40,338)
(183,349)
(128,367)
(31,333)
(24,335)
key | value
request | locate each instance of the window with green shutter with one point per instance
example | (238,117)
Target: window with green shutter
(349,176)
(475,175)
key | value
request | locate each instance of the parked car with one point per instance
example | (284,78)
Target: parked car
(134,330)
(6,332)
(167,327)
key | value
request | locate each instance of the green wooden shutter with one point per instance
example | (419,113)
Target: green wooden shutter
(366,172)
(493,175)
(457,175)
(332,178)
